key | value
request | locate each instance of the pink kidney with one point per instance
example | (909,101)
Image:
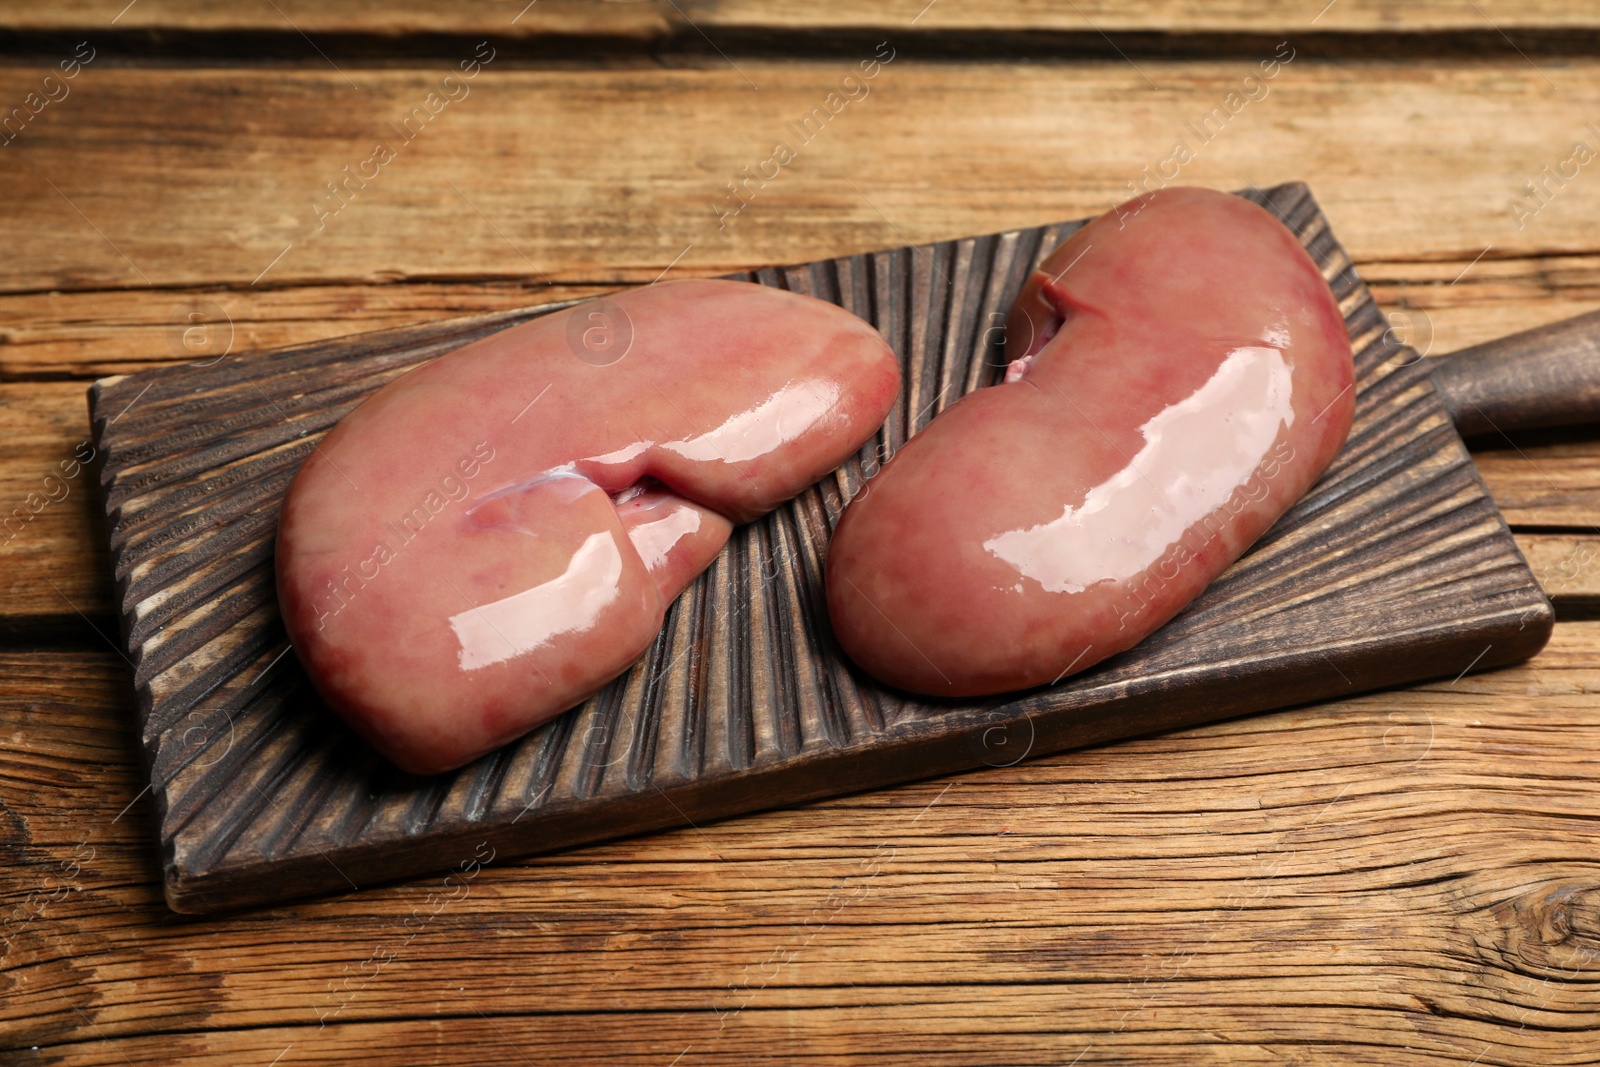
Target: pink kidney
(1181,375)
(488,539)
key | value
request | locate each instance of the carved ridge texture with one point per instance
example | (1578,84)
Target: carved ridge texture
(1395,567)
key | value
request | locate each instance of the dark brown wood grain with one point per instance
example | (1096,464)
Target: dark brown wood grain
(1395,567)
(1548,376)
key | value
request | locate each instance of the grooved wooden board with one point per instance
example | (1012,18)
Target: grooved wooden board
(1395,567)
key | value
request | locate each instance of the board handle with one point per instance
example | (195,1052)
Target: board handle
(1548,376)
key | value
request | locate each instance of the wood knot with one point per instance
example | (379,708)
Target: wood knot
(1554,927)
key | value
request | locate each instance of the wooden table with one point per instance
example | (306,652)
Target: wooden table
(1401,878)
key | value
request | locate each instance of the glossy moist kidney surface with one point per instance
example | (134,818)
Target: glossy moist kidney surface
(490,538)
(1180,375)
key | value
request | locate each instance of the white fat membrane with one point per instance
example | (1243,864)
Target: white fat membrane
(1191,463)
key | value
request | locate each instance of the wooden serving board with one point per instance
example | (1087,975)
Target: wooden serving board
(1395,567)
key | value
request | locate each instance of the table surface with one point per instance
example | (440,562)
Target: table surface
(1398,878)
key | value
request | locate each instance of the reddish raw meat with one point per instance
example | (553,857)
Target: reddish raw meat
(490,538)
(1181,376)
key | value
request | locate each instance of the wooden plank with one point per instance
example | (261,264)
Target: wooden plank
(1162,16)
(656,19)
(1443,306)
(1547,479)
(53,564)
(1393,879)
(1568,569)
(99,333)
(105,332)
(642,21)
(606,176)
